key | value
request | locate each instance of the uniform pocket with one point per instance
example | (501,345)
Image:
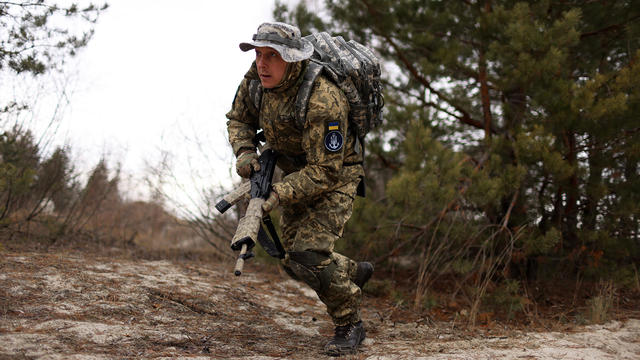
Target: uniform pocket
(288,135)
(332,211)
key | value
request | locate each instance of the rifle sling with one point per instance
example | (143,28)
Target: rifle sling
(274,248)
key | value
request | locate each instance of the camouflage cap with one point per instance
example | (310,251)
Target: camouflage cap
(284,38)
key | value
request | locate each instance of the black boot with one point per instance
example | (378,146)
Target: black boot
(346,339)
(363,273)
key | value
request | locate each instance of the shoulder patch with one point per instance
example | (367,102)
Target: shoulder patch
(333,141)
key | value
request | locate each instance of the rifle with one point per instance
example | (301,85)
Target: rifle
(250,225)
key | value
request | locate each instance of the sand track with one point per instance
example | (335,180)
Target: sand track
(79,306)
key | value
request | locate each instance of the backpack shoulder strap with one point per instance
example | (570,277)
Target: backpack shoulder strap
(304,92)
(255,92)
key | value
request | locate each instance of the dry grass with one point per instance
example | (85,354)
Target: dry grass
(600,306)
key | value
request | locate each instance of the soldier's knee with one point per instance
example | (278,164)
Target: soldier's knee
(313,268)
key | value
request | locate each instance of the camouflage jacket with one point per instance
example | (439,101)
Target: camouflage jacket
(315,159)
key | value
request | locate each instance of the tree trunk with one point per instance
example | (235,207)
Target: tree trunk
(594,182)
(572,192)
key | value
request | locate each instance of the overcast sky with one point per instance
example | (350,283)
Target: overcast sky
(156,73)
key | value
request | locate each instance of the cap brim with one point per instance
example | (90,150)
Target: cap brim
(288,54)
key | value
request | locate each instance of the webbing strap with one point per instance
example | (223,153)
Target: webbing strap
(272,246)
(255,93)
(308,258)
(294,43)
(307,264)
(304,92)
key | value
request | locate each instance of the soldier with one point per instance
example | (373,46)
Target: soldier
(322,167)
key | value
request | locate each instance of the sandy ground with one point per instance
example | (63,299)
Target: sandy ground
(78,306)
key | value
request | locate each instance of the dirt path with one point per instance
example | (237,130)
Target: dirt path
(60,306)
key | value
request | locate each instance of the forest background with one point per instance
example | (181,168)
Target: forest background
(504,180)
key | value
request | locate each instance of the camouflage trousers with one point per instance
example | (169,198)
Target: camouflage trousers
(314,227)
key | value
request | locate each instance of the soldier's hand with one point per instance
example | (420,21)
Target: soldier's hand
(246,162)
(271,202)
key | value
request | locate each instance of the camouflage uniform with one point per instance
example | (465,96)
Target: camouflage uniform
(317,192)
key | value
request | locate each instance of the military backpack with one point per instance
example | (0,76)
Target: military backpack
(349,65)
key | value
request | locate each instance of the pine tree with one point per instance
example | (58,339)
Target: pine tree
(541,98)
(34,40)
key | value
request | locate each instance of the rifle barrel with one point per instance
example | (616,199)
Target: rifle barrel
(240,262)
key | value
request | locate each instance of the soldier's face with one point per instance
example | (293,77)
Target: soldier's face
(271,67)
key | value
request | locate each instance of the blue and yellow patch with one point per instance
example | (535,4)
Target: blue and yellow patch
(334,125)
